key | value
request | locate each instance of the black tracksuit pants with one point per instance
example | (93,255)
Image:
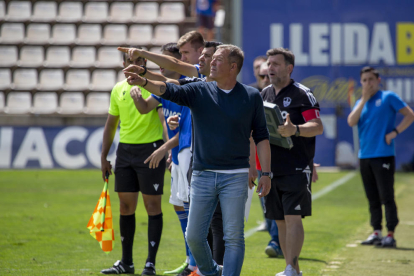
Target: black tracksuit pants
(378,178)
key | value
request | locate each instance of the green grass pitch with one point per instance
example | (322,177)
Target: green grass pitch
(44,215)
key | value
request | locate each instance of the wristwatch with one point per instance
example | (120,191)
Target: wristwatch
(297,133)
(269,174)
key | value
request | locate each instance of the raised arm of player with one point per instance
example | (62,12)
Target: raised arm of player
(144,106)
(164,61)
(108,137)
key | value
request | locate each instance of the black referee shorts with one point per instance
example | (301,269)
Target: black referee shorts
(132,175)
(289,195)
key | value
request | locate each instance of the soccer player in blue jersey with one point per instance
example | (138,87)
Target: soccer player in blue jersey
(375,115)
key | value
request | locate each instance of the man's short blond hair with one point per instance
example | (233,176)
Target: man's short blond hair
(236,55)
(195,38)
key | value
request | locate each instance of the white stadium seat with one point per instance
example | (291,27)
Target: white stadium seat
(103,80)
(109,57)
(18,102)
(19,11)
(44,11)
(51,79)
(89,34)
(2,102)
(121,76)
(97,103)
(165,34)
(115,34)
(57,56)
(171,12)
(8,55)
(96,12)
(70,11)
(121,12)
(2,10)
(45,103)
(5,78)
(77,79)
(151,64)
(140,35)
(12,33)
(38,33)
(83,56)
(71,103)
(31,56)
(63,34)
(25,79)
(146,12)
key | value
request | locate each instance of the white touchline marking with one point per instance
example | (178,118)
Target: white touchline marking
(315,196)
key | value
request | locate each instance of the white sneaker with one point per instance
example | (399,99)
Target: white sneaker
(262,226)
(289,271)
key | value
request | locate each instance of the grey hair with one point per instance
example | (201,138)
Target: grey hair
(236,55)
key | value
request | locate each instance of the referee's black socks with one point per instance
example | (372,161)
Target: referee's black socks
(127,229)
(154,236)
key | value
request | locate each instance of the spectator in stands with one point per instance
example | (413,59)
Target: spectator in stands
(228,131)
(140,136)
(375,115)
(206,13)
(256,70)
(290,198)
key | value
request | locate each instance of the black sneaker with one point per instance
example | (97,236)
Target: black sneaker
(373,239)
(149,269)
(185,272)
(120,268)
(388,241)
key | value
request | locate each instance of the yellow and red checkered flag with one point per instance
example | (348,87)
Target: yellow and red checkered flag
(100,224)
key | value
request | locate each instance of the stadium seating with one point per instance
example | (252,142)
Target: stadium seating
(31,56)
(18,103)
(44,11)
(52,48)
(140,35)
(5,78)
(38,33)
(96,12)
(109,57)
(77,79)
(121,12)
(89,34)
(103,80)
(12,33)
(97,103)
(57,56)
(115,34)
(171,12)
(70,11)
(71,103)
(19,11)
(1,102)
(165,34)
(146,12)
(83,56)
(63,34)
(51,79)
(8,56)
(25,79)
(45,103)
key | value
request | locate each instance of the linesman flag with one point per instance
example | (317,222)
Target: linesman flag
(100,224)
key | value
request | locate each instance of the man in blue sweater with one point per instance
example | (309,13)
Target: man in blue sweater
(225,114)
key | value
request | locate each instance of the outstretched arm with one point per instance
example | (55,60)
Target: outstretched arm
(166,62)
(144,106)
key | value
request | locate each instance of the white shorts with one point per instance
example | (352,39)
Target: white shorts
(184,161)
(174,186)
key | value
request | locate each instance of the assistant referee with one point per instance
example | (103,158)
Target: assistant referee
(140,136)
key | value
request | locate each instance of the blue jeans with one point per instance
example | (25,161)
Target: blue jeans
(271,224)
(206,189)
